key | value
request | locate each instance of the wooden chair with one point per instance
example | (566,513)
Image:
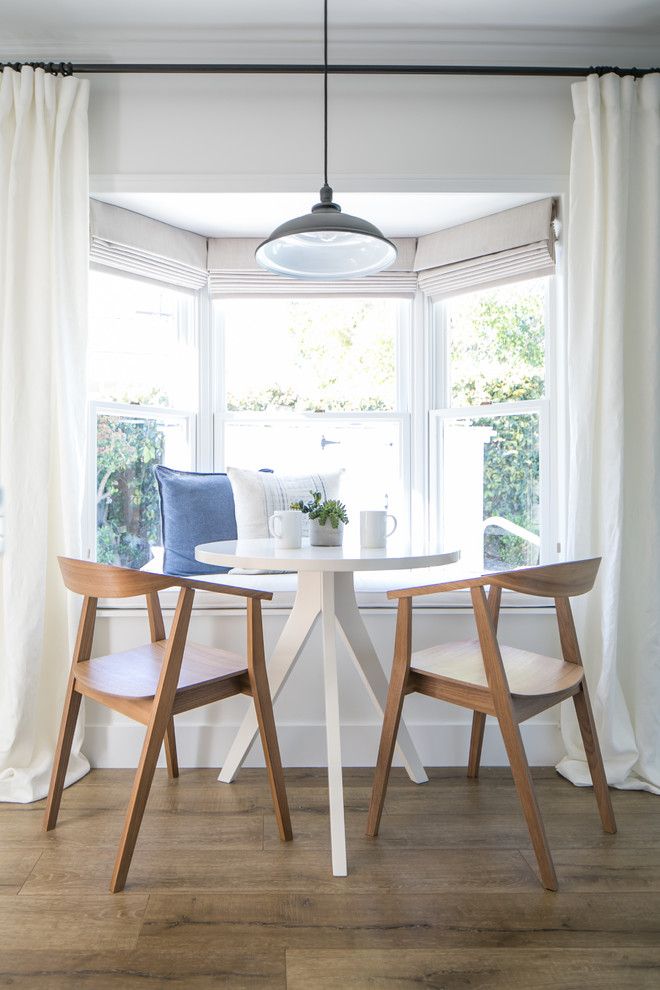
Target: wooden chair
(153,683)
(498,680)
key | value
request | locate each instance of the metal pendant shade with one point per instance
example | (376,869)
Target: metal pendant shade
(326,244)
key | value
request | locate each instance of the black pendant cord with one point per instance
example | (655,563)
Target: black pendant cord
(325,92)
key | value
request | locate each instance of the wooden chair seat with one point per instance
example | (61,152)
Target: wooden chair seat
(135,673)
(528,674)
(494,679)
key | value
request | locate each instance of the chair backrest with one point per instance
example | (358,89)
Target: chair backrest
(575,577)
(105,581)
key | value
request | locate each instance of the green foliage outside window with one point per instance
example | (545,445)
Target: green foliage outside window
(342,360)
(511,472)
(128,508)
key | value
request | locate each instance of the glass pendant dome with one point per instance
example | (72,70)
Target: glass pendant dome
(326,244)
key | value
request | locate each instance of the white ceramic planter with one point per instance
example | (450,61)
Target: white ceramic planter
(325,536)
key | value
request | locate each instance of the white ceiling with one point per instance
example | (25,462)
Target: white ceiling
(257,214)
(43,17)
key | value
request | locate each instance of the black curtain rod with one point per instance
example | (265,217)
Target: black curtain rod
(69,68)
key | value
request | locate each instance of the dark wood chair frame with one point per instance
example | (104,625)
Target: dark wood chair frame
(494,697)
(169,676)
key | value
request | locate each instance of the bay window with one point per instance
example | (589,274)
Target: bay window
(437,405)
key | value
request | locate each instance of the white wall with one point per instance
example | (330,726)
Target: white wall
(265,132)
(217,133)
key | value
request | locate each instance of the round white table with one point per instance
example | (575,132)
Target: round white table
(325,589)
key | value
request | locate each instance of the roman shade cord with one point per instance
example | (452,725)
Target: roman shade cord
(250,68)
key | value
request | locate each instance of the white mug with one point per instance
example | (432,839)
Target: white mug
(373,528)
(286,526)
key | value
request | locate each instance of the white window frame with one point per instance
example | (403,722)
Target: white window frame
(546,408)
(422,406)
(199,423)
(401,415)
(436,458)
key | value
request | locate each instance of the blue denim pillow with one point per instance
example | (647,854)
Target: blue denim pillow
(194,508)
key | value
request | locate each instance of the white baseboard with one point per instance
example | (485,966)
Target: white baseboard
(119,744)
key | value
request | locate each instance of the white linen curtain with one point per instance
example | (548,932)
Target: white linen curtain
(614,419)
(43,327)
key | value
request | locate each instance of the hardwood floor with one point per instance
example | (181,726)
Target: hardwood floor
(445,897)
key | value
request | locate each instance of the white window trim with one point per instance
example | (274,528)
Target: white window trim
(422,378)
(401,415)
(551,480)
(540,406)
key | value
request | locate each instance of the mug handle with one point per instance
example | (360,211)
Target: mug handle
(393,518)
(271,526)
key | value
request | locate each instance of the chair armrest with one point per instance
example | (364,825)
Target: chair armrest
(224,589)
(433,589)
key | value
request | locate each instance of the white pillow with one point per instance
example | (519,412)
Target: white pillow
(257,494)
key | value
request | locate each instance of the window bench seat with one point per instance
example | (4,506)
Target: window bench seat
(371,590)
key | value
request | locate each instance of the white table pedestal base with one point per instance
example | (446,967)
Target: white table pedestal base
(331,595)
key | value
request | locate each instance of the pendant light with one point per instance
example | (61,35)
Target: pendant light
(326,244)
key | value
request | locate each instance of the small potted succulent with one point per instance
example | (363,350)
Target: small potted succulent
(326,520)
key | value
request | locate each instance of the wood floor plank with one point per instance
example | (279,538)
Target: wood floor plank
(16,866)
(231,968)
(496,969)
(69,869)
(496,794)
(201,790)
(159,829)
(481,829)
(307,788)
(81,923)
(403,919)
(615,869)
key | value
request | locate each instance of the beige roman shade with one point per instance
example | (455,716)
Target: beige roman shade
(233,271)
(503,247)
(133,243)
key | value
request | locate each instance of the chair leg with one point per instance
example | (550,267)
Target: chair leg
(138,802)
(392,716)
(476,742)
(263,707)
(62,754)
(527,795)
(161,716)
(595,760)
(170,751)
(266,721)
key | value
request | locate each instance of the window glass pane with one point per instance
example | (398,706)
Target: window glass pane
(497,344)
(127,503)
(489,498)
(310,355)
(142,346)
(369,453)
